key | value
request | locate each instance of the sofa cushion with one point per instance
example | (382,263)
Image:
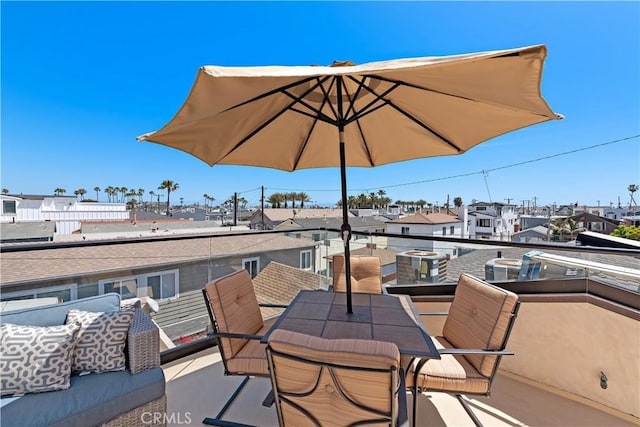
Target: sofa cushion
(91,400)
(55,314)
(101,340)
(36,358)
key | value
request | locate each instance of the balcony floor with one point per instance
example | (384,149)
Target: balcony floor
(197,388)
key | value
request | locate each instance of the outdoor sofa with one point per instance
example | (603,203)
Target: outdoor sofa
(131,394)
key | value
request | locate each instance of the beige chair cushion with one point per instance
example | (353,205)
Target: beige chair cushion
(251,359)
(235,307)
(371,389)
(450,373)
(478,319)
(366,276)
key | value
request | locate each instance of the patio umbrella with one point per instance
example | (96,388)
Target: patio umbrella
(296,117)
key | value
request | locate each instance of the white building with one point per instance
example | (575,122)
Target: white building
(431,225)
(496,221)
(65,211)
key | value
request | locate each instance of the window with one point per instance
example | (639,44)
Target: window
(444,231)
(452,230)
(315,237)
(162,285)
(481,208)
(252,265)
(404,230)
(9,207)
(63,292)
(483,222)
(305,260)
(127,287)
(157,285)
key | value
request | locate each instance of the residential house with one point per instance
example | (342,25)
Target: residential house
(591,222)
(331,242)
(422,224)
(496,221)
(164,269)
(66,212)
(268,218)
(537,234)
(526,222)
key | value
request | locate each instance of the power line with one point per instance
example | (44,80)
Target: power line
(481,172)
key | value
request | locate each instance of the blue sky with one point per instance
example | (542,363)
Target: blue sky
(80,80)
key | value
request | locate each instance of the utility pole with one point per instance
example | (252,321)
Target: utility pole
(262,207)
(508,199)
(235,209)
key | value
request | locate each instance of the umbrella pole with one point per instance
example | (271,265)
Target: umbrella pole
(346,228)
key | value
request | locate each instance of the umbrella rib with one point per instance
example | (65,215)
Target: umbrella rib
(273,92)
(388,102)
(273,117)
(425,127)
(306,140)
(367,109)
(351,106)
(413,86)
(319,114)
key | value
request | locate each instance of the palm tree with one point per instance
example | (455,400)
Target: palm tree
(97,190)
(457,202)
(275,200)
(151,194)
(169,186)
(59,191)
(181,201)
(381,198)
(205,196)
(421,203)
(140,194)
(123,193)
(373,199)
(632,189)
(292,197)
(5,191)
(109,192)
(80,192)
(303,197)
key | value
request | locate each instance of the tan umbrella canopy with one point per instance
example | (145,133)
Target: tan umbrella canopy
(357,115)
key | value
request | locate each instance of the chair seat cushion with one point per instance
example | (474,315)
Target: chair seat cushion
(251,359)
(450,373)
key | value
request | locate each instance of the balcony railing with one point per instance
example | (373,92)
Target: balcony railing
(173,270)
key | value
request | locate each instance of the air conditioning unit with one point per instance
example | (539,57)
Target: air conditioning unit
(502,269)
(418,266)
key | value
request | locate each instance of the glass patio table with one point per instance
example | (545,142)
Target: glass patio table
(380,317)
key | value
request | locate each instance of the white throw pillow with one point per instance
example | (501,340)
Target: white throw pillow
(101,340)
(36,358)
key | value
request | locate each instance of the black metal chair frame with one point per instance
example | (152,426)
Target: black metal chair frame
(460,351)
(398,412)
(268,400)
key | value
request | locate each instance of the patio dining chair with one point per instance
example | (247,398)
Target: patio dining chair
(366,276)
(473,341)
(238,327)
(339,382)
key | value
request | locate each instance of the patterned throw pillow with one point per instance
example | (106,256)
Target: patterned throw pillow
(101,341)
(36,358)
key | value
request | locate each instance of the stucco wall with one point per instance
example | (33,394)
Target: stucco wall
(566,345)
